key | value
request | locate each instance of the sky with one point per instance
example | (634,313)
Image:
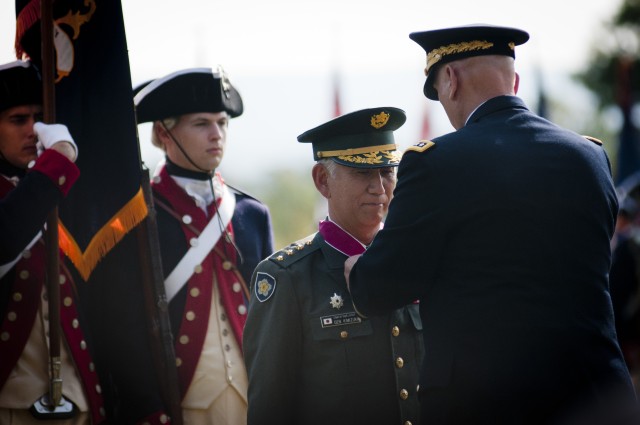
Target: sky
(283,56)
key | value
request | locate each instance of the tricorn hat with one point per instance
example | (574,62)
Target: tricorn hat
(362,139)
(450,44)
(20,84)
(185,92)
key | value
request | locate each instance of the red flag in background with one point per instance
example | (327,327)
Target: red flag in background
(425,129)
(93,98)
(337,106)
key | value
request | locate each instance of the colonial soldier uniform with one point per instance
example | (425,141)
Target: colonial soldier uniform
(27,196)
(311,359)
(211,237)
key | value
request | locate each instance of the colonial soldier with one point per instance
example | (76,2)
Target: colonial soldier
(311,359)
(211,236)
(36,171)
(502,230)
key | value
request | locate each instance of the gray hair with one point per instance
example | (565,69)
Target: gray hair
(330,165)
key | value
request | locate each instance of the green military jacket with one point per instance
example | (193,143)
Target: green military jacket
(312,360)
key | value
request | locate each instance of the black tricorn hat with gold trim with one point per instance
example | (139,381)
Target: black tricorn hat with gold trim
(362,139)
(185,92)
(450,44)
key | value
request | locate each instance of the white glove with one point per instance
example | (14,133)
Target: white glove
(50,134)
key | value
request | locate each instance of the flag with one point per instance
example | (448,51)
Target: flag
(104,225)
(337,106)
(543,104)
(425,129)
(628,161)
(93,98)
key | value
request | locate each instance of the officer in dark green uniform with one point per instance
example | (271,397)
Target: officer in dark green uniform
(310,358)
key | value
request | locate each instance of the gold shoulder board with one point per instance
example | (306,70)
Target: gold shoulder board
(421,146)
(594,140)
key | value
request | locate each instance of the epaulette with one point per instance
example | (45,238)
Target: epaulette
(421,146)
(295,252)
(594,140)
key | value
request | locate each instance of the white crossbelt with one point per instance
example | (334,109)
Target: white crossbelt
(202,246)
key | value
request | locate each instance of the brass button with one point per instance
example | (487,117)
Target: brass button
(242,309)
(190,316)
(404,394)
(75,323)
(186,219)
(98,389)
(83,345)
(164,419)
(62,279)
(62,180)
(408,423)
(395,331)
(237,287)
(17,296)
(67,301)
(4,336)
(344,334)
(24,274)
(194,292)
(399,362)
(92,367)
(184,339)
(226,265)
(193,241)
(12,316)
(197,269)
(178,361)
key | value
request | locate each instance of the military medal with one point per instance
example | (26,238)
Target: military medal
(336,301)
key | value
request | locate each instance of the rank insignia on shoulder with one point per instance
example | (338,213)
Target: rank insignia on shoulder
(594,140)
(265,286)
(421,146)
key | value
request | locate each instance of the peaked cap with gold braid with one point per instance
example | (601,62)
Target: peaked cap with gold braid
(450,44)
(362,139)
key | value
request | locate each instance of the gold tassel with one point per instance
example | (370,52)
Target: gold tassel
(106,238)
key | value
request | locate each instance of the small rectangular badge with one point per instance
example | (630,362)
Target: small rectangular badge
(350,318)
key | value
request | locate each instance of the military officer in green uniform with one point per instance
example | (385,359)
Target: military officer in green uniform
(311,359)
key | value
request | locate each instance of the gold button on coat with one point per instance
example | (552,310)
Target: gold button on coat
(404,394)
(344,334)
(395,331)
(399,362)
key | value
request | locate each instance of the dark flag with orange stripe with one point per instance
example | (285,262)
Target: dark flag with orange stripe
(104,225)
(93,98)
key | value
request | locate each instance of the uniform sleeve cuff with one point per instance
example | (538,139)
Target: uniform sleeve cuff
(62,172)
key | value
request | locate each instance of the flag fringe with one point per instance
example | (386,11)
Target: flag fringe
(27,17)
(129,216)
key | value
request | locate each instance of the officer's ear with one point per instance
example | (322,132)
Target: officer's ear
(516,85)
(320,176)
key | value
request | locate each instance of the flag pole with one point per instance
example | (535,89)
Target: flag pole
(52,404)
